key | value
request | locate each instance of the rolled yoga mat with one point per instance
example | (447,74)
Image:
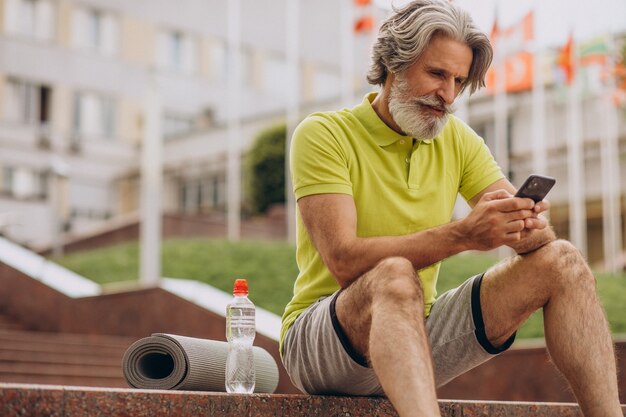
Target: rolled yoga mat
(167,361)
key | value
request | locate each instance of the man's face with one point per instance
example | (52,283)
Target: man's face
(421,97)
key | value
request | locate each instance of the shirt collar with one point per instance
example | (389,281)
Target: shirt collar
(382,134)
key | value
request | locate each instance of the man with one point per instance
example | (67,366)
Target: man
(376,186)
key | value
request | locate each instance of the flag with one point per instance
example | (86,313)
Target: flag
(494,30)
(364,24)
(594,51)
(585,62)
(565,60)
(512,45)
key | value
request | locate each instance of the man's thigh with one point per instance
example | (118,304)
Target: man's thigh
(456,332)
(517,286)
(318,356)
(320,360)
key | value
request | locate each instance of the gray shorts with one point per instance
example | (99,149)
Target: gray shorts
(320,360)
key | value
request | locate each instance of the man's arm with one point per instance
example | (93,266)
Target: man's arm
(537,232)
(331,222)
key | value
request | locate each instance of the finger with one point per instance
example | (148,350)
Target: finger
(542,206)
(512,237)
(514,226)
(513,204)
(519,215)
(496,195)
(535,223)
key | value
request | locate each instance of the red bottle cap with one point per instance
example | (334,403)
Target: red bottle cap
(240,287)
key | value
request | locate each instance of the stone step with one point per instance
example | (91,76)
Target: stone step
(62,401)
(9,323)
(70,358)
(64,359)
(34,368)
(66,338)
(69,380)
(64,344)
(63,349)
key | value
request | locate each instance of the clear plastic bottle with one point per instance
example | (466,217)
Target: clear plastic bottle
(240,332)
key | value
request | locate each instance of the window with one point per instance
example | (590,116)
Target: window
(7,179)
(276,73)
(176,51)
(33,19)
(174,125)
(217,60)
(95,30)
(27,102)
(94,115)
(326,84)
(190,196)
(24,182)
(202,194)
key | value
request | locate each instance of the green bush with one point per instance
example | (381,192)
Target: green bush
(265,169)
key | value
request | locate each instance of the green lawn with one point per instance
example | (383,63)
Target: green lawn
(270,269)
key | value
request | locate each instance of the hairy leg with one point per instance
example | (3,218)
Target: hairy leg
(557,279)
(382,316)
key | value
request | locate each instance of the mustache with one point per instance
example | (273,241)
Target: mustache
(432,101)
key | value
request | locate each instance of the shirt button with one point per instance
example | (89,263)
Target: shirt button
(401,141)
(407,159)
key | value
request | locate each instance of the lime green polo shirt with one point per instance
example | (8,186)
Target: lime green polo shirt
(399,185)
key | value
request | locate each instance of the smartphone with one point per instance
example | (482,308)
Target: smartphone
(535,187)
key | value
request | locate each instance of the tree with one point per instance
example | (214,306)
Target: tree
(265,169)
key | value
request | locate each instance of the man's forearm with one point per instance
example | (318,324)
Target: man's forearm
(422,248)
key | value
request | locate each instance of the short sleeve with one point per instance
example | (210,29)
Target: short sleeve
(479,168)
(318,162)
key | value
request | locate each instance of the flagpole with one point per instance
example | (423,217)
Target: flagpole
(293,111)
(500,124)
(611,210)
(233,175)
(461,209)
(575,161)
(347,53)
(539,148)
(151,188)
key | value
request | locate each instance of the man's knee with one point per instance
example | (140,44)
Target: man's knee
(560,262)
(397,280)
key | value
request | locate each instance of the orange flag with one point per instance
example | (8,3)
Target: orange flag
(512,44)
(364,24)
(566,60)
(619,96)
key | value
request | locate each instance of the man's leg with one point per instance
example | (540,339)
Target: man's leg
(382,315)
(557,279)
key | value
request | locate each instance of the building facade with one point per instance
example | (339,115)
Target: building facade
(74,74)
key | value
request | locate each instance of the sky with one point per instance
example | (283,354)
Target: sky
(554,19)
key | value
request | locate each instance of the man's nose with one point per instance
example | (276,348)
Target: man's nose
(447,91)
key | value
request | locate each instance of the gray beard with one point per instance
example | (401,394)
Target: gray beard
(410,115)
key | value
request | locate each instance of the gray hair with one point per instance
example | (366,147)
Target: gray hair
(404,36)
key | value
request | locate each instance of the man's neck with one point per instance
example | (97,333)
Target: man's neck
(381,107)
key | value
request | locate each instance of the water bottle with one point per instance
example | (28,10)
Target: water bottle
(240,330)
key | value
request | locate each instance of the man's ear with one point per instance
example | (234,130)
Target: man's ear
(388,82)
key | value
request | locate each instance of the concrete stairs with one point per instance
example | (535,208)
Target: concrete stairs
(60,358)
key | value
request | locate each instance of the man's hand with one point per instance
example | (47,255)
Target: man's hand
(499,218)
